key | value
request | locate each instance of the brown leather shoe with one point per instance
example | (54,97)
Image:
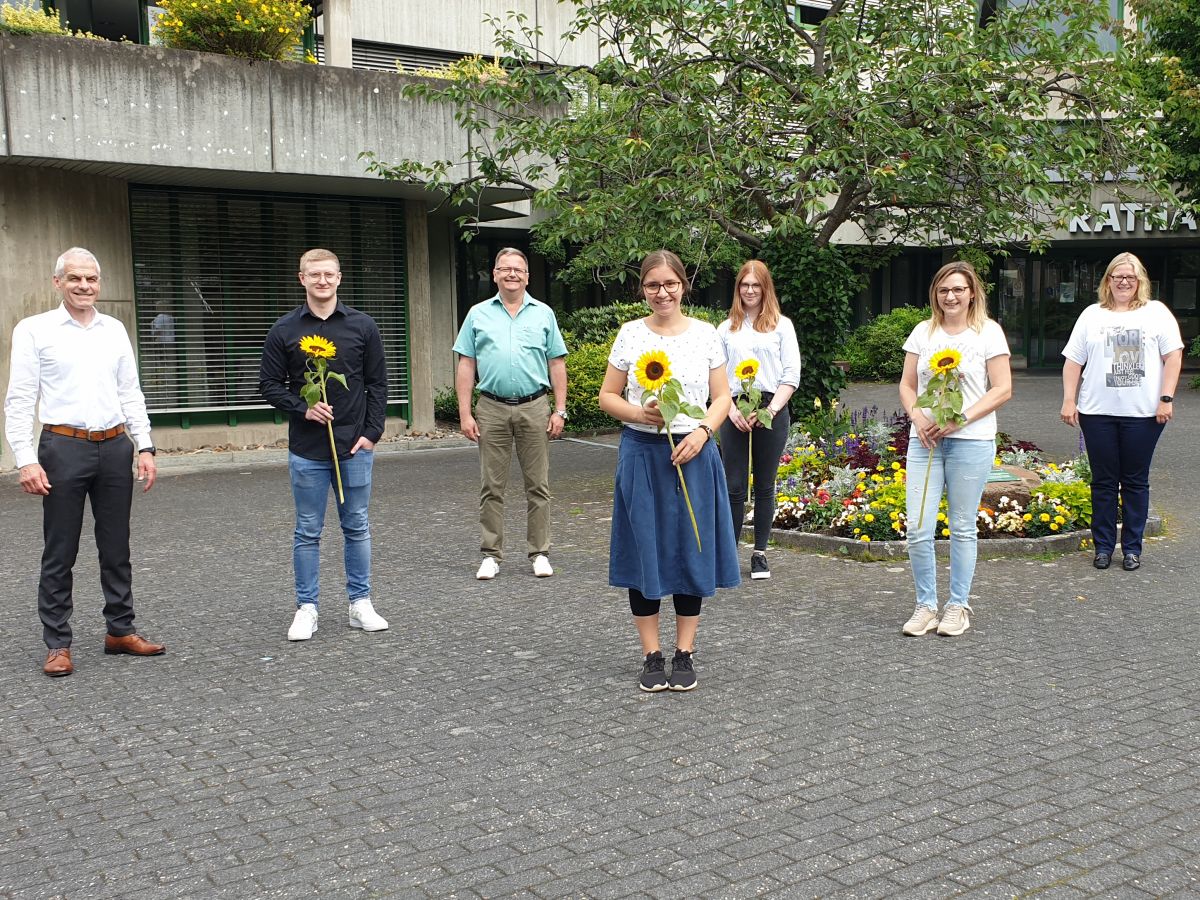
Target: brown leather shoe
(58,662)
(133,644)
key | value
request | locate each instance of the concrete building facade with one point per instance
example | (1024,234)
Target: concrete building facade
(198,179)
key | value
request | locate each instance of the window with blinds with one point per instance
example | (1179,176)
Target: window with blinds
(214,270)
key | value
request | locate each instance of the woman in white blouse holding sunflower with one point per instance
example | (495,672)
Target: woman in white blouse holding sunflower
(958,455)
(761,348)
(671,531)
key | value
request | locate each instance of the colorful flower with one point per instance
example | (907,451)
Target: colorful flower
(653,370)
(318,347)
(747,368)
(944,361)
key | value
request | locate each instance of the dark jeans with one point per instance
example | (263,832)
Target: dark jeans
(1120,449)
(767,448)
(101,472)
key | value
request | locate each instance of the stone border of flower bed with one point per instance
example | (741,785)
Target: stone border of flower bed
(989,548)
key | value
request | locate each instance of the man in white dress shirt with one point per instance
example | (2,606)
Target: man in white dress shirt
(79,363)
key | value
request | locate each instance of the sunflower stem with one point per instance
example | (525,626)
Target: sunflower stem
(686,498)
(337,469)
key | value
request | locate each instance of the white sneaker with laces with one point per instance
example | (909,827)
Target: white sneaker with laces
(488,569)
(922,621)
(541,566)
(363,615)
(955,620)
(304,623)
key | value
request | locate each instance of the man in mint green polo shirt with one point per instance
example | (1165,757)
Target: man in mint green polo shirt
(512,344)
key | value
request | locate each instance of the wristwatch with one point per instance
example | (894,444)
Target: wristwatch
(561,413)
(707,429)
(151,450)
(1167,398)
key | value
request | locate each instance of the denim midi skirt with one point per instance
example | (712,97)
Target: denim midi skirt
(653,547)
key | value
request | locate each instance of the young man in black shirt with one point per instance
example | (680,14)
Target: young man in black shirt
(348,341)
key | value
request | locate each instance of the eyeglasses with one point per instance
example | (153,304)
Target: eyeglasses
(318,277)
(1123,279)
(653,287)
(959,291)
(508,270)
(750,287)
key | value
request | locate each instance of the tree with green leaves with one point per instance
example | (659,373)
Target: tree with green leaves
(720,127)
(1174,81)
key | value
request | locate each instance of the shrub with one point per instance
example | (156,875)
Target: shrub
(445,405)
(30,20)
(586,365)
(599,324)
(875,350)
(244,28)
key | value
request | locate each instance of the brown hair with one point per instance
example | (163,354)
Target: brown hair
(768,315)
(671,261)
(317,255)
(977,312)
(1143,279)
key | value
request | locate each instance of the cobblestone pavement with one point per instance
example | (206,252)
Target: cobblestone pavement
(493,743)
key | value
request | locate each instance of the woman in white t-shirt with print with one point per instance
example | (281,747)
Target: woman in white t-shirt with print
(958,457)
(653,549)
(1119,379)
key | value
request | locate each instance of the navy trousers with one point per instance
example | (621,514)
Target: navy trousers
(1120,449)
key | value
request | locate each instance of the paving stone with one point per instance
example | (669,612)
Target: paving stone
(493,742)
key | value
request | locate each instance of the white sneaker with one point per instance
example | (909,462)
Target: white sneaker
(922,621)
(541,566)
(363,615)
(955,620)
(304,623)
(488,569)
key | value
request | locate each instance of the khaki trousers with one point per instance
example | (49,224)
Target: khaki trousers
(501,427)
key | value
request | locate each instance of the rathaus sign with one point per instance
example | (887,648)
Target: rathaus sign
(1131,218)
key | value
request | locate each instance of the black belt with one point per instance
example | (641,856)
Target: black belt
(515,401)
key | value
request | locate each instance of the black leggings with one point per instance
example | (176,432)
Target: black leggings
(768,447)
(685,604)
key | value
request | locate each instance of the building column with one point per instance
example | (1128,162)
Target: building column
(339,32)
(420,317)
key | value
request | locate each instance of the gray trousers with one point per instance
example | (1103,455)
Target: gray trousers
(101,472)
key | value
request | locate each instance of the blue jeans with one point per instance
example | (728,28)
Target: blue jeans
(961,466)
(311,483)
(1120,449)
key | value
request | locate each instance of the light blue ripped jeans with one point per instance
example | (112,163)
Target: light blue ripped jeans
(961,465)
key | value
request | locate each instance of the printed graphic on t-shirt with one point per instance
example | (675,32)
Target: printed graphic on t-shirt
(1125,357)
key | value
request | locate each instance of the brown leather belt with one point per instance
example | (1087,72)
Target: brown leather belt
(83,434)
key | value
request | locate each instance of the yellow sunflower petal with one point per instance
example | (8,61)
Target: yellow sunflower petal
(317,346)
(747,369)
(944,361)
(652,370)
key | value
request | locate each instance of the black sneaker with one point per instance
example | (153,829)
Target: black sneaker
(683,674)
(758,566)
(654,676)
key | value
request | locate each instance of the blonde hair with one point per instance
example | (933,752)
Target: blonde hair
(318,255)
(768,315)
(1143,278)
(977,312)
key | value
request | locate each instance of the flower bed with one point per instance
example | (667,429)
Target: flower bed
(843,476)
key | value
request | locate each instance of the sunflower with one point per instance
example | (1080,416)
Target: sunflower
(747,369)
(318,347)
(653,370)
(944,361)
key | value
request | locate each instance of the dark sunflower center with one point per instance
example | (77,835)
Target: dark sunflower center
(945,361)
(654,370)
